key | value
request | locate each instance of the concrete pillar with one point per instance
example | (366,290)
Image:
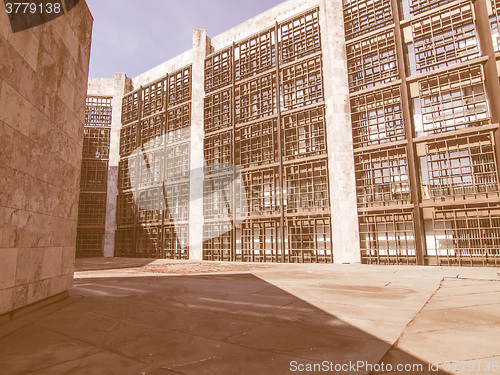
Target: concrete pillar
(200,43)
(121,84)
(345,228)
(491,69)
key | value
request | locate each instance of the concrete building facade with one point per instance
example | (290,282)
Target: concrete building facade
(318,131)
(201,174)
(43,79)
(424,90)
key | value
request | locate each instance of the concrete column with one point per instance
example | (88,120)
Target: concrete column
(345,227)
(200,43)
(491,71)
(121,83)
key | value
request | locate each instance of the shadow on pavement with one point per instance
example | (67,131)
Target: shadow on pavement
(202,324)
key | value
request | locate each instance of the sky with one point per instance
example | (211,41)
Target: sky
(133,36)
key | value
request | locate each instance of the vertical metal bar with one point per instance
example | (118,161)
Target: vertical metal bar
(162,171)
(376,229)
(280,151)
(137,171)
(233,160)
(412,161)
(330,230)
(434,221)
(316,240)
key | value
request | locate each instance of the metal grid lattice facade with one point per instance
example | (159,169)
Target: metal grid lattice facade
(153,173)
(264,112)
(94,177)
(421,78)
(425,133)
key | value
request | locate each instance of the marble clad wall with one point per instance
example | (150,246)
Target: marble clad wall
(43,85)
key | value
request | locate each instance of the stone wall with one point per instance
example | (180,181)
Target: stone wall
(43,84)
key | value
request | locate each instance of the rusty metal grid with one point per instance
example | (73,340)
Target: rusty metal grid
(243,125)
(178,124)
(495,24)
(148,243)
(175,240)
(217,196)
(130,107)
(125,171)
(257,241)
(371,61)
(301,84)
(92,209)
(150,167)
(463,171)
(467,236)
(128,139)
(299,37)
(377,117)
(308,240)
(125,209)
(152,131)
(363,16)
(154,97)
(161,129)
(96,143)
(176,166)
(124,242)
(217,239)
(387,238)
(179,87)
(217,111)
(460,167)
(451,100)
(420,6)
(306,187)
(256,144)
(304,134)
(261,189)
(177,201)
(382,177)
(254,55)
(94,175)
(443,39)
(89,242)
(218,149)
(255,98)
(218,70)
(98,111)
(151,204)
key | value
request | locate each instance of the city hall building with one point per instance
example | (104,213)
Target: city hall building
(315,132)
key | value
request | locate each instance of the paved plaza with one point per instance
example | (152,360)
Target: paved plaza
(140,316)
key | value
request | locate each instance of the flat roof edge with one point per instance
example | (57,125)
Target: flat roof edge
(247,28)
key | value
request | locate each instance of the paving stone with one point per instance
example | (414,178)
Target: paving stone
(130,320)
(32,348)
